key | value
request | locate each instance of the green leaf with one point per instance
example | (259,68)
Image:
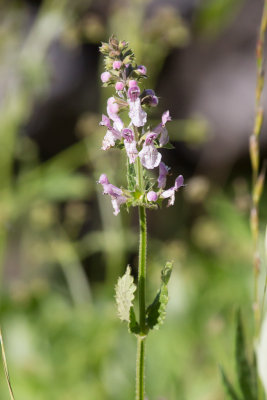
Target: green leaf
(229,389)
(124,294)
(244,370)
(131,176)
(133,324)
(156,312)
(254,376)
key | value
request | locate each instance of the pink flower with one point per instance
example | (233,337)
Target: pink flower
(152,196)
(141,69)
(163,172)
(112,134)
(117,202)
(165,117)
(161,129)
(105,76)
(170,193)
(130,145)
(137,114)
(119,86)
(116,194)
(117,64)
(133,93)
(112,110)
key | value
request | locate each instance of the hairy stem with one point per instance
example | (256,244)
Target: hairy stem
(140,360)
(140,369)
(142,269)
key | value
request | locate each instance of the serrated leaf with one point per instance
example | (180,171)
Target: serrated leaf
(229,389)
(156,312)
(133,324)
(244,370)
(131,176)
(124,294)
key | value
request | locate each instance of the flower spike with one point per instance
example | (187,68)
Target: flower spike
(129,131)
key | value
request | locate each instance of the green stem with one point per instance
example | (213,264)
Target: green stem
(142,269)
(140,369)
(140,360)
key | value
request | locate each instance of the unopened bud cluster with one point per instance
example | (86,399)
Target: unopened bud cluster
(131,131)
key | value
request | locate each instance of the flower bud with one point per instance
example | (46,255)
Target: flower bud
(103,179)
(154,101)
(117,64)
(114,42)
(141,69)
(132,83)
(104,48)
(133,93)
(152,196)
(114,53)
(112,106)
(119,86)
(105,76)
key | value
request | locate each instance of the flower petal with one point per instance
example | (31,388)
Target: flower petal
(164,137)
(163,172)
(165,117)
(117,202)
(137,114)
(152,196)
(131,150)
(149,156)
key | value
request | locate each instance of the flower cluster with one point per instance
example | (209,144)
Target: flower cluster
(127,128)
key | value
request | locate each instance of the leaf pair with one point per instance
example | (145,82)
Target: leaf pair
(246,371)
(155,313)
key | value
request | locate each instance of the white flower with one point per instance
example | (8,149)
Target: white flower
(108,141)
(117,202)
(137,114)
(131,150)
(170,193)
(149,156)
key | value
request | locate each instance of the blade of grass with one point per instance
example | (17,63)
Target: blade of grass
(5,367)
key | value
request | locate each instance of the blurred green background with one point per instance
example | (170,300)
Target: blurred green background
(62,249)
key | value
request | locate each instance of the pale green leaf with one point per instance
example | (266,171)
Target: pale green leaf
(124,294)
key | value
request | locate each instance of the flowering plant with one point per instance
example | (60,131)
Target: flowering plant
(128,129)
